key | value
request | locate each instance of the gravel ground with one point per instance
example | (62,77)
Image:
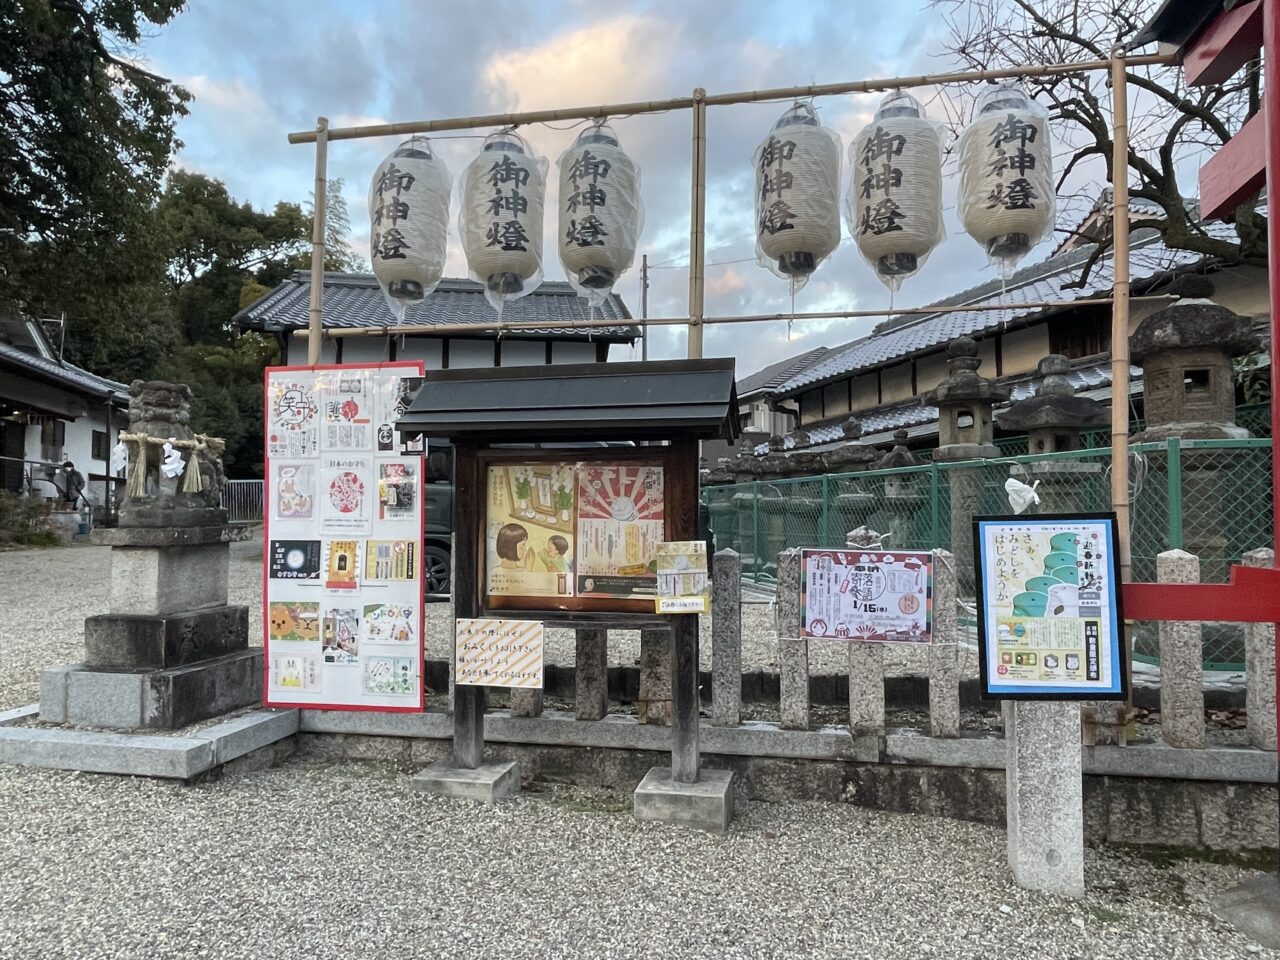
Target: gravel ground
(273,864)
(318,860)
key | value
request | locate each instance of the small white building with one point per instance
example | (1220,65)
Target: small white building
(52,412)
(353,301)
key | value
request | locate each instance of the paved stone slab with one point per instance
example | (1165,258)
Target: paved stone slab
(1045,797)
(707,804)
(234,738)
(18,714)
(139,641)
(1253,908)
(487,783)
(133,755)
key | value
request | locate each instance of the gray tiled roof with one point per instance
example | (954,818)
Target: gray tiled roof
(903,337)
(355,300)
(65,374)
(776,374)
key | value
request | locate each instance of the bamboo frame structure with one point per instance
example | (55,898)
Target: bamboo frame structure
(1116,65)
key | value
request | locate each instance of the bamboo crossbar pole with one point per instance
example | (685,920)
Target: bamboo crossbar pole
(720,99)
(515,326)
(315,312)
(697,226)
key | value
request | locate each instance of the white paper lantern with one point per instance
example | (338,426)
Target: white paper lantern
(600,213)
(503,194)
(409,223)
(894,204)
(1006,200)
(797,195)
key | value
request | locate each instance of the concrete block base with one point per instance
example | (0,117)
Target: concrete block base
(154,699)
(125,641)
(707,804)
(147,755)
(487,783)
(1253,908)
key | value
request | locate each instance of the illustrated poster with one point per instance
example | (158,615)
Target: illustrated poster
(866,595)
(621,521)
(529,534)
(684,584)
(342,550)
(1049,617)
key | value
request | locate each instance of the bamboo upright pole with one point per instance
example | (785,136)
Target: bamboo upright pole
(315,313)
(1120,308)
(698,223)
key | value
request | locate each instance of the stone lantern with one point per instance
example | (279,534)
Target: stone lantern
(964,400)
(901,490)
(1186,351)
(1053,419)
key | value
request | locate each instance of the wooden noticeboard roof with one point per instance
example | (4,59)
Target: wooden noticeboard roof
(655,400)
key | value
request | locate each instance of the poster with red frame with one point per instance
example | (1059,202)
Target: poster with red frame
(342,540)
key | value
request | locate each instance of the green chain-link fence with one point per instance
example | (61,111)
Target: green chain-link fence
(1209,497)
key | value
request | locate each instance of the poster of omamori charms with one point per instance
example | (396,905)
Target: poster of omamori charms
(342,550)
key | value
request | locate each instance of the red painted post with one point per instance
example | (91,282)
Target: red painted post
(1271,107)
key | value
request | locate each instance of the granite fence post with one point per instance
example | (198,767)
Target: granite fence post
(1181,661)
(525,702)
(654,703)
(793,649)
(944,660)
(726,639)
(1260,668)
(591,674)
(1044,803)
(866,688)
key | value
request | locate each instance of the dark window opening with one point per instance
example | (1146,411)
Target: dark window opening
(964,418)
(1195,381)
(99,445)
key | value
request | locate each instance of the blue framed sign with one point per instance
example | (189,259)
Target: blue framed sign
(1050,625)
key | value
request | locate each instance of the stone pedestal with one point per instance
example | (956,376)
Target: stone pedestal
(654,703)
(1064,485)
(1044,796)
(170,651)
(487,783)
(706,804)
(1181,661)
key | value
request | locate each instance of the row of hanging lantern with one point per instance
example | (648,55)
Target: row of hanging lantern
(893,205)
(500,221)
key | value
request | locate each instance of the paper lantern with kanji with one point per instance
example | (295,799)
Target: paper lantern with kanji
(1006,200)
(894,204)
(500,220)
(600,213)
(409,223)
(797,195)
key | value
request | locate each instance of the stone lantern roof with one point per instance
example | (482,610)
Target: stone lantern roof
(1055,404)
(1193,323)
(899,456)
(964,385)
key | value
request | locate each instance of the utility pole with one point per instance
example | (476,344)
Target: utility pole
(644,307)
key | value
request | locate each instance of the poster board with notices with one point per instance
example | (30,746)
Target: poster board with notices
(561,534)
(1049,614)
(342,540)
(875,595)
(684,582)
(498,653)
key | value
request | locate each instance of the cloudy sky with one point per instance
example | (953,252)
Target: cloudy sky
(260,70)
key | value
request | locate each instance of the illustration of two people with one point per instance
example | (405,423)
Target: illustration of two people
(512,548)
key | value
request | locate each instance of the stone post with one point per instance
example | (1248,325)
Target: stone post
(591,674)
(654,703)
(1181,661)
(944,660)
(1044,803)
(526,703)
(1260,668)
(726,639)
(793,649)
(866,666)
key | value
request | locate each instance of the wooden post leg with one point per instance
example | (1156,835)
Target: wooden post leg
(684,695)
(468,725)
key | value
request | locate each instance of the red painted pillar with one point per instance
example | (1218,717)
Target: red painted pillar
(1271,108)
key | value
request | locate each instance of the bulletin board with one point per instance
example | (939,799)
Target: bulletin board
(342,540)
(571,533)
(1049,615)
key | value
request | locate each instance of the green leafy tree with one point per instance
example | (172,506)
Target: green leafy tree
(85,137)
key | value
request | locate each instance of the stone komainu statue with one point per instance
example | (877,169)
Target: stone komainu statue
(159,413)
